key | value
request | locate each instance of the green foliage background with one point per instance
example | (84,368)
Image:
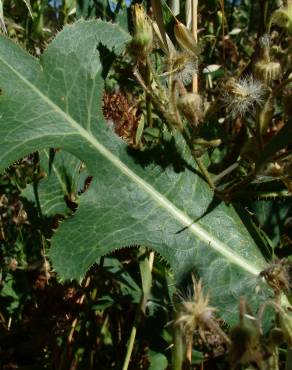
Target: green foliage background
(45,324)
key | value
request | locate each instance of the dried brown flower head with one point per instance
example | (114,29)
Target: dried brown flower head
(121,112)
(242,96)
(195,312)
(278,276)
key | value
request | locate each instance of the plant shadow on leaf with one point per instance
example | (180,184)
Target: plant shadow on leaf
(164,155)
(107,58)
(167,155)
(213,205)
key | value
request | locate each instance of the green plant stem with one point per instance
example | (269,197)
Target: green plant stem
(172,122)
(169,117)
(131,341)
(146,266)
(178,348)
(228,170)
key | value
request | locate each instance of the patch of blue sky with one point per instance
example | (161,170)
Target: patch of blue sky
(55,3)
(114,3)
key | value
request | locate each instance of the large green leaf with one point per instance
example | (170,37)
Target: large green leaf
(155,199)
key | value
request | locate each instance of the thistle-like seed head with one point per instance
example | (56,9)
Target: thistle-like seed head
(195,310)
(242,96)
(183,66)
(143,32)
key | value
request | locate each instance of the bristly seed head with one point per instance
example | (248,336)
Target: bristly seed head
(195,312)
(265,41)
(242,96)
(183,66)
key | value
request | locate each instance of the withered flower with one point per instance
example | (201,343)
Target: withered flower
(196,314)
(242,96)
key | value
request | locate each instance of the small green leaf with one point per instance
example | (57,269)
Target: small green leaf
(158,361)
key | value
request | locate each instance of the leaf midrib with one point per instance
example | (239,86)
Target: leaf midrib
(178,214)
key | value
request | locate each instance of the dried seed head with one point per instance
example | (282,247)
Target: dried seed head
(266,70)
(143,33)
(191,107)
(278,275)
(183,66)
(185,39)
(195,311)
(242,96)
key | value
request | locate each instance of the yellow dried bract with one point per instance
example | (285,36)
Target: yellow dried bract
(267,71)
(185,38)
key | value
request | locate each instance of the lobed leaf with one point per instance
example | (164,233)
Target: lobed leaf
(156,199)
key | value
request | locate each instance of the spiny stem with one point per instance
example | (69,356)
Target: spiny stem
(148,97)
(169,116)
